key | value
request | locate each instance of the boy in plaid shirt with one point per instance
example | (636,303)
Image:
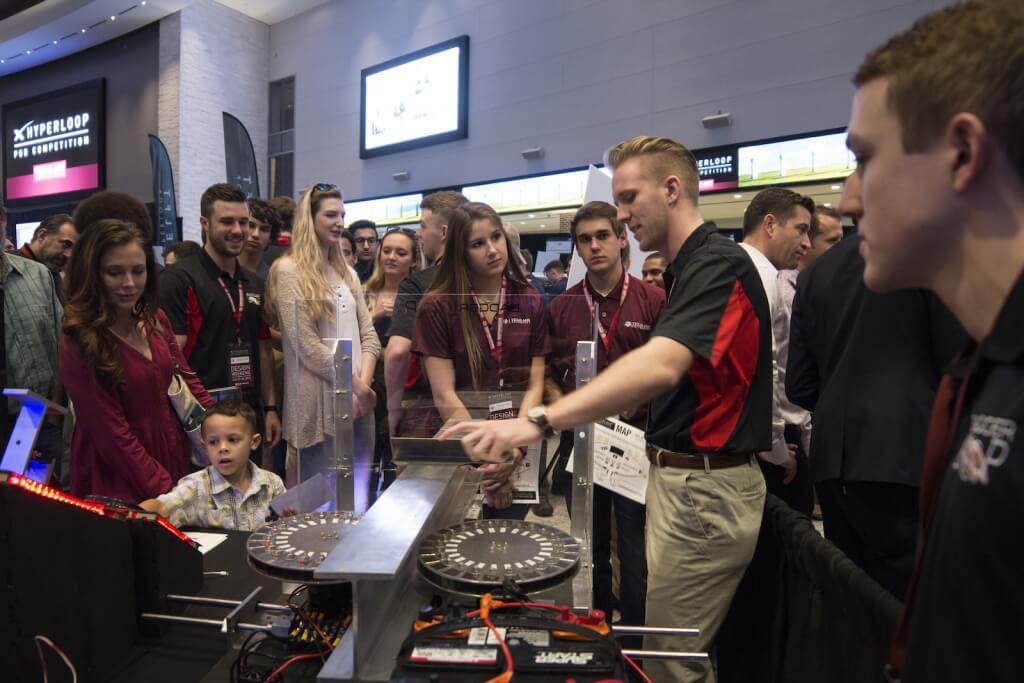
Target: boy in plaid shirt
(232,492)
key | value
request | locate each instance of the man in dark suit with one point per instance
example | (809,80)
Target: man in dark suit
(867,365)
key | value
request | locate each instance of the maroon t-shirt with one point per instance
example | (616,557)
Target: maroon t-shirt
(571,321)
(438,333)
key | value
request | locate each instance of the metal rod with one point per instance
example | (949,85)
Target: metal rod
(224,602)
(665,654)
(655,630)
(196,621)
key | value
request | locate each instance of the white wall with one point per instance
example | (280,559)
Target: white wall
(212,59)
(577,76)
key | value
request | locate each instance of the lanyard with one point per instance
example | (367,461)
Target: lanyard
(494,346)
(236,311)
(606,336)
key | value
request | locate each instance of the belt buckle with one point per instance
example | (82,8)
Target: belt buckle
(659,457)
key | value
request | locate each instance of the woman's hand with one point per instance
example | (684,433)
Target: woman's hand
(499,498)
(383,307)
(363,398)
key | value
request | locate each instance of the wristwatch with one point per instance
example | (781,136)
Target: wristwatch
(271,409)
(539,417)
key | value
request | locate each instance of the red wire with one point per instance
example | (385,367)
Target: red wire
(637,669)
(509,668)
(289,662)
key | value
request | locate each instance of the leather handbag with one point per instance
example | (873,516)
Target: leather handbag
(189,410)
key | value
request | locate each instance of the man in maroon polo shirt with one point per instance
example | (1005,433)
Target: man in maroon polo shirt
(627,310)
(708,369)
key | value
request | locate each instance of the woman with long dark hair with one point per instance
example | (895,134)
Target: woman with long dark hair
(482,330)
(117,359)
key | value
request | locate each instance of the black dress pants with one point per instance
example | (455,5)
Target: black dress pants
(875,525)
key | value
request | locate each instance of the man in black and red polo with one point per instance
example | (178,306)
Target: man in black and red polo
(216,309)
(627,310)
(708,369)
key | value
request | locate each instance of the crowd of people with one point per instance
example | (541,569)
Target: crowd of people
(873,374)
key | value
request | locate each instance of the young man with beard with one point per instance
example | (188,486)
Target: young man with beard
(627,309)
(364,234)
(707,370)
(938,196)
(216,309)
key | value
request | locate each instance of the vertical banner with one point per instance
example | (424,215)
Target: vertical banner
(166,209)
(239,157)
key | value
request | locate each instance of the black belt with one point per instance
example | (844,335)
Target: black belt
(689,461)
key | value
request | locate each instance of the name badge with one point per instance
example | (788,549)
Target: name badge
(240,366)
(500,408)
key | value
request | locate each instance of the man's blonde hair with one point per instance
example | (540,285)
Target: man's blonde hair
(667,156)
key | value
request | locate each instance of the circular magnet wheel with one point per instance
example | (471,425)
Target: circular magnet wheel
(292,548)
(476,557)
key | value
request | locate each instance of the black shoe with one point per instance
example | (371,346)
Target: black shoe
(543,508)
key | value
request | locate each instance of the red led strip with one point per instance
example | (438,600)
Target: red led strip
(100,509)
(53,494)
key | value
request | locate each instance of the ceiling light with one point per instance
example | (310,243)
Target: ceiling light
(532,216)
(113,18)
(28,52)
(3,61)
(143,3)
(83,30)
(837,187)
(542,225)
(737,196)
(827,204)
(55,42)
(522,222)
(719,120)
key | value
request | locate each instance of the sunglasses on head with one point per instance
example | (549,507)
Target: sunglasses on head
(325,187)
(403,231)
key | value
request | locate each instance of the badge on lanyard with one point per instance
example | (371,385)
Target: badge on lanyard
(494,345)
(240,366)
(500,406)
(607,336)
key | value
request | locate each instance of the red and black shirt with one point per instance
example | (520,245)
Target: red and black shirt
(198,308)
(572,321)
(717,309)
(438,333)
(967,603)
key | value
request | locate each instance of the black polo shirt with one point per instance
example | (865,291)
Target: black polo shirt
(410,292)
(968,612)
(198,308)
(717,309)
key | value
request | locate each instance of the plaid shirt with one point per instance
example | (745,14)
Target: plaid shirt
(32,320)
(206,499)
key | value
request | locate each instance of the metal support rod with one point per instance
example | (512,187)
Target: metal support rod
(618,629)
(343,461)
(666,654)
(582,523)
(197,621)
(225,602)
(235,615)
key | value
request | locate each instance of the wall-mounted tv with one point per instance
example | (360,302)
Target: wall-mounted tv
(54,145)
(416,100)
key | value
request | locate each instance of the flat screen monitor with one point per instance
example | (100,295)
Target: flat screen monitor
(54,145)
(24,231)
(416,100)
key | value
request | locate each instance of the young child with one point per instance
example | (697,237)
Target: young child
(232,492)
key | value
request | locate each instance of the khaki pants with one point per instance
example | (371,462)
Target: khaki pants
(702,529)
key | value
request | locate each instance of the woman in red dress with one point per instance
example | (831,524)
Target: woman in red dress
(117,357)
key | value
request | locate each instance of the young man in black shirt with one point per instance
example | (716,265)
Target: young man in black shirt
(707,370)
(434,210)
(939,199)
(216,309)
